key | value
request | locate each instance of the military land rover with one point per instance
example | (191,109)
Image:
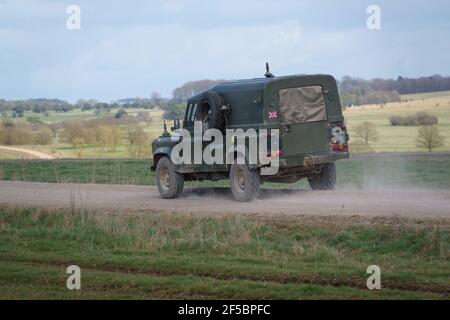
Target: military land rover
(304,110)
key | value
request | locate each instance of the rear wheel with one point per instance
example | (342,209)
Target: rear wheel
(170,183)
(325,180)
(245,182)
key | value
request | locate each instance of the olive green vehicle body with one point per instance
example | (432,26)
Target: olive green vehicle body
(305,147)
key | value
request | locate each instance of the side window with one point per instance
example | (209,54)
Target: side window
(188,112)
(190,115)
(193,113)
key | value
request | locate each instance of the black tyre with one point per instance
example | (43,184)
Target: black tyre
(170,183)
(213,102)
(245,182)
(325,180)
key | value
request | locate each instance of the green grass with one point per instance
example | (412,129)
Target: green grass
(110,171)
(151,255)
(421,171)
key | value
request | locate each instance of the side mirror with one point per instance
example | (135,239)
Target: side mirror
(176,124)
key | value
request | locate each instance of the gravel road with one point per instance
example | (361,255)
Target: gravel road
(408,203)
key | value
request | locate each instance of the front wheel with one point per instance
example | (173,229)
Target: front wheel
(325,180)
(245,182)
(170,183)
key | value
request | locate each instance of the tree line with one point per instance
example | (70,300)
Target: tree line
(402,85)
(19,107)
(418,119)
(357,91)
(353,91)
(105,135)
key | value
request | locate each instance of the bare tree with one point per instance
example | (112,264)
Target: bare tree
(429,137)
(138,140)
(100,136)
(12,133)
(115,135)
(43,136)
(367,132)
(78,144)
(144,116)
(155,97)
(106,136)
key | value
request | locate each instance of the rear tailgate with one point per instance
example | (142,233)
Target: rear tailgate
(304,125)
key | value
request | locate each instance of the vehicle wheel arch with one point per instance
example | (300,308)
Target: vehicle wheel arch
(233,154)
(158,156)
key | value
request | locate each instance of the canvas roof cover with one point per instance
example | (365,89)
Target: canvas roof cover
(304,104)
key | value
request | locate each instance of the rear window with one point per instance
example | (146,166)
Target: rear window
(303,104)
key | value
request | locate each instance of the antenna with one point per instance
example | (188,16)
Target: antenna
(268,74)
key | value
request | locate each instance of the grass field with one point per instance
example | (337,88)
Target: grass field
(426,95)
(151,255)
(426,171)
(401,138)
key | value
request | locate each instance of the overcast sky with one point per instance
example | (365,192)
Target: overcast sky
(131,48)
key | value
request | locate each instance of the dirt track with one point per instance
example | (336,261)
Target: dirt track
(207,200)
(36,154)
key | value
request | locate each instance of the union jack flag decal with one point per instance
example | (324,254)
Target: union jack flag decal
(273,115)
